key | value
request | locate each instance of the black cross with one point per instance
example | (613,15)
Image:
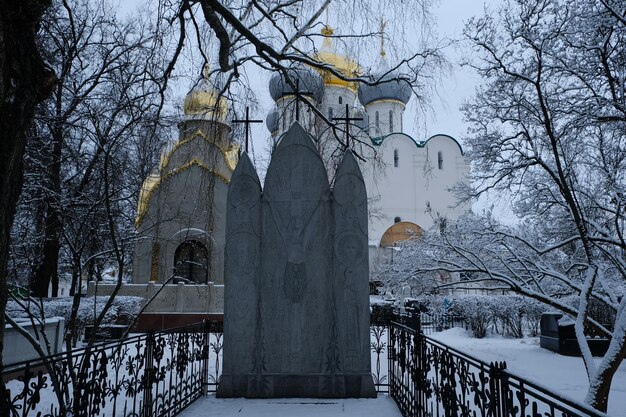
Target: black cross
(247,121)
(347,119)
(298,95)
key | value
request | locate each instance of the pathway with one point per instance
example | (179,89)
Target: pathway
(383,406)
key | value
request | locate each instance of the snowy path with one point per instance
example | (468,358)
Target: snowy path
(562,374)
(383,406)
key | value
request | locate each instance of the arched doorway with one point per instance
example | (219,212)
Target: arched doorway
(191,262)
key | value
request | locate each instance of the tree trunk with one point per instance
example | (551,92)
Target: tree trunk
(48,270)
(24,82)
(598,395)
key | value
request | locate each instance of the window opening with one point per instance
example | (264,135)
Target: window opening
(395,158)
(340,100)
(390,121)
(440,159)
(397,219)
(377,122)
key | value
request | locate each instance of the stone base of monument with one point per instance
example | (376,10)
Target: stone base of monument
(296,386)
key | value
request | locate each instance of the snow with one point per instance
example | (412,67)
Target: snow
(564,375)
(292,407)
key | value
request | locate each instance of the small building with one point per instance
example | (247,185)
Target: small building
(182,205)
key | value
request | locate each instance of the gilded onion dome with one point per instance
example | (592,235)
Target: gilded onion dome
(341,63)
(309,81)
(203,101)
(388,86)
(272,121)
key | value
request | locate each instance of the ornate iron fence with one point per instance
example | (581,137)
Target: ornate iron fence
(159,374)
(153,374)
(428,378)
(432,323)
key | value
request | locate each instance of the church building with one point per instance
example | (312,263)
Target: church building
(181,213)
(181,210)
(408,179)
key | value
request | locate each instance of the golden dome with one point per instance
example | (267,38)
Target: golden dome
(204,102)
(341,63)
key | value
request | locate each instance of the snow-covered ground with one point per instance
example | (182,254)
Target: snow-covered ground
(524,357)
(382,406)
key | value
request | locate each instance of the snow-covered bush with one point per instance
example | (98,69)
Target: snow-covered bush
(507,315)
(473,309)
(121,311)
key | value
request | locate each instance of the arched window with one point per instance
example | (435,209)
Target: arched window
(440,159)
(401,122)
(377,121)
(397,219)
(340,100)
(191,262)
(390,121)
(396,158)
(330,113)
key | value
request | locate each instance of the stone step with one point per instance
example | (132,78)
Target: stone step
(383,406)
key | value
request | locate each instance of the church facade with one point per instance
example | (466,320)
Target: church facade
(408,180)
(182,207)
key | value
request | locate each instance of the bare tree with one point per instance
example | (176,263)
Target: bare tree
(24,82)
(548,131)
(267,34)
(104,90)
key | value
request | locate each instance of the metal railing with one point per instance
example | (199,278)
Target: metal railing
(159,374)
(428,378)
(153,374)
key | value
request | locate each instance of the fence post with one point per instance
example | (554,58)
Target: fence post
(499,386)
(206,336)
(418,375)
(415,321)
(148,375)
(391,354)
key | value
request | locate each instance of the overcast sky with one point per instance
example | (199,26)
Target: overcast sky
(444,116)
(458,86)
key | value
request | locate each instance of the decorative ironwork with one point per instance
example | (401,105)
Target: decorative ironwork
(431,323)
(159,374)
(154,374)
(428,378)
(378,341)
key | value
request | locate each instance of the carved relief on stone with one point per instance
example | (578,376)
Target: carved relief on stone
(241,266)
(295,212)
(311,315)
(350,265)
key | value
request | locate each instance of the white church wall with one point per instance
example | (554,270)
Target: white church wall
(331,100)
(405,190)
(447,167)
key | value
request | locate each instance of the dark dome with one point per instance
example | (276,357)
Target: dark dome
(272,121)
(388,88)
(310,81)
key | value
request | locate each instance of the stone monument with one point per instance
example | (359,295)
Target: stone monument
(296,307)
